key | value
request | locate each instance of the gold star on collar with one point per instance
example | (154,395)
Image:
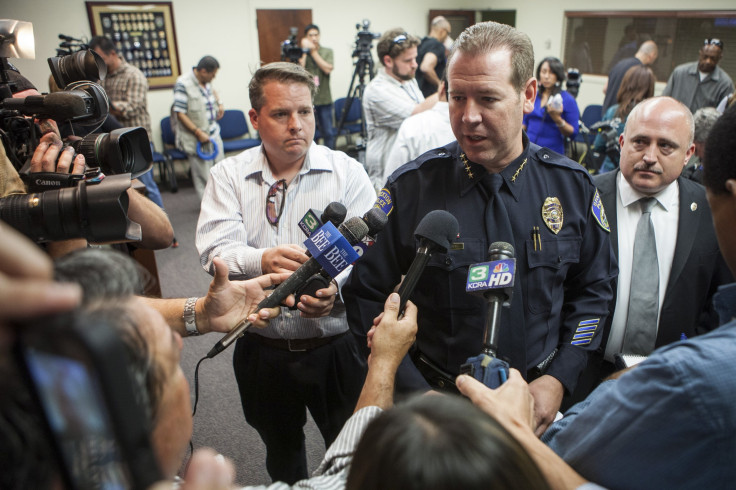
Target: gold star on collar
(466,165)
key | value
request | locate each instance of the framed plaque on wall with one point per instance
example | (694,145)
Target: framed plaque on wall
(143,33)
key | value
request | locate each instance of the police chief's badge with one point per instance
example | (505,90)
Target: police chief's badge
(552,214)
(599,213)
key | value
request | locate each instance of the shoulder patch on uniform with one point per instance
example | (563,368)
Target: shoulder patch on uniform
(599,213)
(384,202)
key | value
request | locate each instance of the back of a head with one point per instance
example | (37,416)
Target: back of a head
(704,119)
(637,85)
(440,443)
(486,37)
(102,273)
(720,151)
(648,50)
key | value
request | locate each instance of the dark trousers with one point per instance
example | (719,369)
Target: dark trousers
(323,117)
(276,385)
(596,371)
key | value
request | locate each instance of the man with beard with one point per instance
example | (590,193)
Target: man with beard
(392,96)
(701,83)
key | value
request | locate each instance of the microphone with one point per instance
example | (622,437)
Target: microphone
(353,230)
(435,232)
(495,281)
(376,219)
(69,38)
(60,106)
(335,213)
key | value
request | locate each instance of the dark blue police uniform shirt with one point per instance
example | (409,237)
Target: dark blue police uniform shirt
(561,292)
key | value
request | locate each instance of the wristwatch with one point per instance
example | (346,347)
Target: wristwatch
(190,321)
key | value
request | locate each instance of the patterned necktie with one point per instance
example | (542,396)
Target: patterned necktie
(641,323)
(498,223)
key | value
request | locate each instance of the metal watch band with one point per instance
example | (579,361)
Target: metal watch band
(190,322)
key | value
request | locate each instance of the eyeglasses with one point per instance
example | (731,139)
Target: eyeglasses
(275,201)
(714,42)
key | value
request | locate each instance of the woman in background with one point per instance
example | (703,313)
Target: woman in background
(637,85)
(555,115)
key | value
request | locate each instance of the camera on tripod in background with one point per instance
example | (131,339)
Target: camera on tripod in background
(364,40)
(574,79)
(290,49)
(61,205)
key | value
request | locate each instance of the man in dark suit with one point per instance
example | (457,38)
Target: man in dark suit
(655,146)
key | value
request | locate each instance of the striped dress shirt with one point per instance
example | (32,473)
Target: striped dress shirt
(233,225)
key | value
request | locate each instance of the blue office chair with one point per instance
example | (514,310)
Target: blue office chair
(591,115)
(170,150)
(353,118)
(235,133)
(166,172)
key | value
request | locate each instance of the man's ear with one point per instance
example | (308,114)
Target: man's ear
(253,114)
(530,95)
(689,153)
(388,61)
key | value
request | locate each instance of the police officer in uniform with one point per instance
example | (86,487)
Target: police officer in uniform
(547,208)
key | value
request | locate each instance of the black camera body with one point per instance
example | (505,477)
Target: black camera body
(290,49)
(364,40)
(64,206)
(574,79)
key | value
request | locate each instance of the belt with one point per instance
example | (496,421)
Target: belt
(293,345)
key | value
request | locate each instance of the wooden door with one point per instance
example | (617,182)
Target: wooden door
(273,29)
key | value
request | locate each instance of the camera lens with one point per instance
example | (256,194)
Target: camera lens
(96,212)
(122,151)
(82,65)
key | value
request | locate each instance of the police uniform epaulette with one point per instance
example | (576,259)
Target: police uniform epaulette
(545,155)
(434,154)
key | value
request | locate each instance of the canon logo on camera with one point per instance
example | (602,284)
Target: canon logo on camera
(47,182)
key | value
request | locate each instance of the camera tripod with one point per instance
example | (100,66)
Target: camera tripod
(363,66)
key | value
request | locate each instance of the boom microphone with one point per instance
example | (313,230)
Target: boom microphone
(353,230)
(69,38)
(61,106)
(435,233)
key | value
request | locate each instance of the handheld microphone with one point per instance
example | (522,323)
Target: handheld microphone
(60,106)
(495,281)
(335,213)
(435,233)
(353,230)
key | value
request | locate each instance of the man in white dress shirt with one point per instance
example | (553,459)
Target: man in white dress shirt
(392,96)
(249,217)
(655,146)
(420,133)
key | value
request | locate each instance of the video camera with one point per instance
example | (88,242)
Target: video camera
(69,45)
(574,79)
(94,208)
(290,49)
(364,40)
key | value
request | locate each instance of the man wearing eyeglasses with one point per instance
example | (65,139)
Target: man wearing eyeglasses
(701,83)
(249,217)
(392,96)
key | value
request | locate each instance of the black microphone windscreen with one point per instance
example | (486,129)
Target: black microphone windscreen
(376,220)
(499,249)
(353,230)
(439,227)
(335,213)
(64,105)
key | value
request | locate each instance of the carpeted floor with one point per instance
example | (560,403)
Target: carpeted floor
(219,422)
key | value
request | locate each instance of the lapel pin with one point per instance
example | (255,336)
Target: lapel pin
(693,206)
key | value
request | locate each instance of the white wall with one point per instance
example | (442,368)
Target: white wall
(229,34)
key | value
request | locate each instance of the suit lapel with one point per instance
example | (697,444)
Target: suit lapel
(606,184)
(687,230)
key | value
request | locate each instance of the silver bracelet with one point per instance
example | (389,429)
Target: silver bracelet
(190,320)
